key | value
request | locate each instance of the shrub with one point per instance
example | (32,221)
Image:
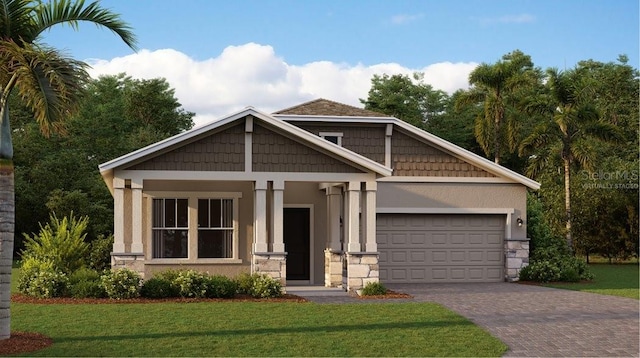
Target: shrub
(191,283)
(540,271)
(374,289)
(159,287)
(121,283)
(218,286)
(245,283)
(550,267)
(39,278)
(61,242)
(100,253)
(86,283)
(264,286)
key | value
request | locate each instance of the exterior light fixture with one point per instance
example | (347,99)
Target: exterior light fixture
(519,221)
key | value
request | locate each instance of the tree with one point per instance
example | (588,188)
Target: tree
(406,98)
(496,88)
(570,133)
(50,85)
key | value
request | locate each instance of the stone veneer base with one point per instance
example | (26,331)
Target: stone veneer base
(516,257)
(362,268)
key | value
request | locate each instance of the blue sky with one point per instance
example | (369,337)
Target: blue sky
(300,50)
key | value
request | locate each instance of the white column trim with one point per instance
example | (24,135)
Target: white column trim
(369,217)
(136,218)
(334,200)
(277,216)
(118,215)
(353,223)
(260,217)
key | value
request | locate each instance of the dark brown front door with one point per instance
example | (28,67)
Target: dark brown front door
(297,242)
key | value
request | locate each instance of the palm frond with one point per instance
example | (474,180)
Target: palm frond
(16,20)
(49,83)
(71,13)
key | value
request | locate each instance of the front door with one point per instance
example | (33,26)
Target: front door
(297,244)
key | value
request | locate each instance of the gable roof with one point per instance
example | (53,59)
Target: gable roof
(325,107)
(107,168)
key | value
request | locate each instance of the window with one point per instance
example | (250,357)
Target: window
(170,228)
(215,228)
(333,137)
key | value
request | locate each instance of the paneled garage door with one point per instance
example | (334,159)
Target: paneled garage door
(440,248)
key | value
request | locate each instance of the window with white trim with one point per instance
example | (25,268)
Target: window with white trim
(333,137)
(215,228)
(170,228)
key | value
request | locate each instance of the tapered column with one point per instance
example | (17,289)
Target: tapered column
(277,217)
(136,218)
(118,215)
(369,217)
(260,217)
(353,222)
(334,201)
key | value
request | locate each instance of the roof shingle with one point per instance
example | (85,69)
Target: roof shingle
(325,107)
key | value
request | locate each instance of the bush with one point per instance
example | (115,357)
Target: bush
(191,283)
(264,286)
(218,286)
(550,265)
(121,283)
(374,289)
(86,283)
(245,283)
(159,287)
(100,253)
(39,278)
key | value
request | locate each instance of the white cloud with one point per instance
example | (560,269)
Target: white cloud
(253,75)
(402,19)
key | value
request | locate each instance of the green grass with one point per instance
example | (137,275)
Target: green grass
(254,329)
(615,280)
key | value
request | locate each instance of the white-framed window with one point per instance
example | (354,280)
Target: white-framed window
(215,228)
(170,228)
(195,226)
(333,137)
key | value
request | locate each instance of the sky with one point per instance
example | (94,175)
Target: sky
(221,56)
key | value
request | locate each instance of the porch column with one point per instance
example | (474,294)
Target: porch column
(260,217)
(118,215)
(353,221)
(136,218)
(369,217)
(277,216)
(333,252)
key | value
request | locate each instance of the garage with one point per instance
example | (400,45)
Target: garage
(430,248)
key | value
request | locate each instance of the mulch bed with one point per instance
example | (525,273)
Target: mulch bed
(24,342)
(389,294)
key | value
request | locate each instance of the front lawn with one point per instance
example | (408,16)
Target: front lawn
(616,280)
(253,329)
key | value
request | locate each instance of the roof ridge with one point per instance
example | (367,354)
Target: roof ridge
(323,106)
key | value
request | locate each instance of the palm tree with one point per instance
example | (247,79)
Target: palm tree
(48,83)
(571,132)
(495,86)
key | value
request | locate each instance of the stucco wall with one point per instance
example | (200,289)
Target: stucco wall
(457,195)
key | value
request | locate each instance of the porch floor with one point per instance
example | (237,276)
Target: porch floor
(315,291)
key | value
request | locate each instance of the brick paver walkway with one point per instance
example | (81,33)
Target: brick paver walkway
(533,321)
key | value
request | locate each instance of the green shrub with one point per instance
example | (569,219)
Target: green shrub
(556,268)
(218,286)
(100,253)
(39,278)
(191,284)
(121,283)
(158,287)
(86,283)
(245,283)
(61,242)
(264,286)
(540,271)
(374,289)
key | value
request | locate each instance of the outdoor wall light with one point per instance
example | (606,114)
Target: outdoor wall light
(519,221)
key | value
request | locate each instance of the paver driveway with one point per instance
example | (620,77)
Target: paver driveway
(540,321)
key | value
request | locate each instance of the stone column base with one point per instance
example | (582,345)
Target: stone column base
(517,257)
(273,264)
(131,261)
(332,268)
(362,268)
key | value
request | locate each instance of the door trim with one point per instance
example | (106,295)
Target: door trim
(311,242)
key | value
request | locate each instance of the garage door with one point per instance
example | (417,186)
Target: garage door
(440,248)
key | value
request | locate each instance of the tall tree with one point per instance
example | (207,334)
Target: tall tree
(50,85)
(407,98)
(495,87)
(571,131)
